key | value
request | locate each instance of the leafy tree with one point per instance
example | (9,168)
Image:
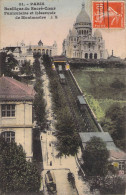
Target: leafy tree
(115,123)
(36,67)
(95,157)
(47,61)
(26,68)
(39,107)
(68,139)
(7,63)
(36,54)
(16,174)
(38,86)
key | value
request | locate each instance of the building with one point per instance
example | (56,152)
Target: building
(117,156)
(16,124)
(81,42)
(24,52)
(44,49)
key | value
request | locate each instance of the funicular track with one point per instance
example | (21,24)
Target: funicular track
(70,105)
(84,116)
(82,119)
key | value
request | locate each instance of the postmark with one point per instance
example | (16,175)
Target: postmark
(108,14)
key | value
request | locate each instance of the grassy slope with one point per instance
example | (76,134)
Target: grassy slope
(95,83)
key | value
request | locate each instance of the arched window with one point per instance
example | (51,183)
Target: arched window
(86,55)
(85,32)
(9,136)
(95,56)
(82,32)
(91,55)
(43,51)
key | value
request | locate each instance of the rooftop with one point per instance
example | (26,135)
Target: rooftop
(13,90)
(115,153)
(85,137)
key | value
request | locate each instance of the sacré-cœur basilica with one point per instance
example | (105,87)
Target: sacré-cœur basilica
(81,42)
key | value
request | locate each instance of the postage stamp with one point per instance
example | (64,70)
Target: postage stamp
(109,14)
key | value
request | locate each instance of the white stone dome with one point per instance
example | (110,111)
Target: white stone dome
(83,16)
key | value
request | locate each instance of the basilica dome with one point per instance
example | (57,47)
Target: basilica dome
(83,16)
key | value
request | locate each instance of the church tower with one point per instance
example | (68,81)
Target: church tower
(81,43)
(83,23)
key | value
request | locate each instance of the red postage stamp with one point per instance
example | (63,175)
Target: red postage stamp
(109,14)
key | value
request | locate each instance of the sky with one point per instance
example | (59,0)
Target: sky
(13,31)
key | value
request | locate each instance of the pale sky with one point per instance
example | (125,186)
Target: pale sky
(13,30)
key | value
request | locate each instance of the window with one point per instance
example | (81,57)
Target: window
(95,56)
(86,55)
(9,136)
(121,165)
(8,110)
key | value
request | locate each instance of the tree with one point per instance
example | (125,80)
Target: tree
(36,54)
(16,174)
(36,67)
(95,157)
(26,68)
(68,139)
(39,107)
(7,63)
(38,86)
(115,124)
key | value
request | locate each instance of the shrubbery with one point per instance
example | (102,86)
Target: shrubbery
(117,84)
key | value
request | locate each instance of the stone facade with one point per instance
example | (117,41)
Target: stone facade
(24,52)
(16,113)
(81,42)
(20,125)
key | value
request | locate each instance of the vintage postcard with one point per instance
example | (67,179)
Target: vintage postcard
(63,97)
